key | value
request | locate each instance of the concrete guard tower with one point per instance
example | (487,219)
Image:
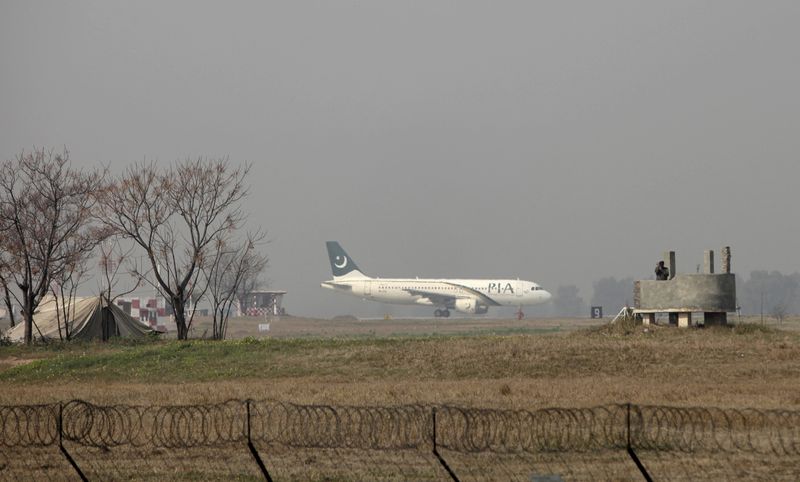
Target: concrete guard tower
(712,294)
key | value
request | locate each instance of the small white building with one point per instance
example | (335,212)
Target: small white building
(152,311)
(263,303)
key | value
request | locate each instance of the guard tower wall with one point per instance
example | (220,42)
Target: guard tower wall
(688,293)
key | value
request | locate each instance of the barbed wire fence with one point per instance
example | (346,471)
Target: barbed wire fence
(270,440)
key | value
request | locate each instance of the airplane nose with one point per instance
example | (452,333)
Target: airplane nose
(547,296)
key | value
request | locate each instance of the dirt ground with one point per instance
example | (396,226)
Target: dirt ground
(293,327)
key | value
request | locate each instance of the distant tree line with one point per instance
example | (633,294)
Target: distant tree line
(769,292)
(610,293)
(178,228)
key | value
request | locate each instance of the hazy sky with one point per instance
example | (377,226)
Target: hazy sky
(560,142)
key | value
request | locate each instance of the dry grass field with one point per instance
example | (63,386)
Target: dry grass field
(490,363)
(503,364)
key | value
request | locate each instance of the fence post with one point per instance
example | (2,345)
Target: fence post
(436,451)
(61,447)
(631,453)
(252,447)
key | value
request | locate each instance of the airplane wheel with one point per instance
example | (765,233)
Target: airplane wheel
(446,313)
(437,313)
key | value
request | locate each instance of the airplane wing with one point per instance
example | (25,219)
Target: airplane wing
(436,298)
(477,294)
(448,299)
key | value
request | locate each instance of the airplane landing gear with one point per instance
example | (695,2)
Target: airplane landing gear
(442,313)
(520,314)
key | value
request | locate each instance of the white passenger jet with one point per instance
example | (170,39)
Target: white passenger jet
(473,296)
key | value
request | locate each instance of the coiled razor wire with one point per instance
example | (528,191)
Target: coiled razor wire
(697,429)
(169,426)
(28,425)
(322,426)
(460,429)
(513,431)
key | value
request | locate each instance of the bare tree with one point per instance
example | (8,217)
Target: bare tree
(779,312)
(46,222)
(64,288)
(112,258)
(225,275)
(178,216)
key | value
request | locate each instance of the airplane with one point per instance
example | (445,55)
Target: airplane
(471,296)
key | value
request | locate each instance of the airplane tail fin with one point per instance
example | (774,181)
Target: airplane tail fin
(342,265)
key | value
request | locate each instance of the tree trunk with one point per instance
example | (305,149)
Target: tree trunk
(9,305)
(223,328)
(180,318)
(214,326)
(219,324)
(27,316)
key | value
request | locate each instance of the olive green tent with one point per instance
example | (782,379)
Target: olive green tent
(92,318)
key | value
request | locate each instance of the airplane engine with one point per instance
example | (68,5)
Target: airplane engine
(467,305)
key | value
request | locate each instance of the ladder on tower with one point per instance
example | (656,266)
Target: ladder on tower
(626,313)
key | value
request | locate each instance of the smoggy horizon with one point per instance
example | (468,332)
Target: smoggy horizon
(555,142)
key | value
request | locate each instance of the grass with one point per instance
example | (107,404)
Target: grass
(206,361)
(174,361)
(741,366)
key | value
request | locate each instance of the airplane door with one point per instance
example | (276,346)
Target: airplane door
(367,288)
(518,289)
